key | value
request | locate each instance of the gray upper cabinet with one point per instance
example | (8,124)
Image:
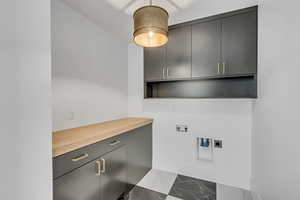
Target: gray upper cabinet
(219,46)
(178,53)
(213,57)
(206,49)
(74,184)
(154,62)
(239,44)
(114,174)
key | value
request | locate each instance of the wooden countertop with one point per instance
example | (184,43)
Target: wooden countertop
(71,139)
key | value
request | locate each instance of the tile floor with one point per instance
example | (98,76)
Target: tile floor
(160,185)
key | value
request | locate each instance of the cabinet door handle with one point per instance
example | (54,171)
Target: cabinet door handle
(218,67)
(103,165)
(85,155)
(163,71)
(98,168)
(113,143)
(167,71)
(224,67)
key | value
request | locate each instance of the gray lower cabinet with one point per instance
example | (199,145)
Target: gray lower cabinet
(178,53)
(239,44)
(139,154)
(104,178)
(113,178)
(206,49)
(154,62)
(127,159)
(80,184)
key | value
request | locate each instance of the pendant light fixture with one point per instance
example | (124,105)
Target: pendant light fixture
(150,26)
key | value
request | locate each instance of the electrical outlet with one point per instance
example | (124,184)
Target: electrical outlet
(218,144)
(181,128)
(71,116)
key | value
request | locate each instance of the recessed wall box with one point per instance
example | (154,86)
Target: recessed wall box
(181,128)
(204,149)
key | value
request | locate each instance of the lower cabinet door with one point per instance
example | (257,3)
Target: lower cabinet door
(113,179)
(80,184)
(139,154)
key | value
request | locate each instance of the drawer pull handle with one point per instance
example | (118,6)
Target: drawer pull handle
(103,165)
(114,143)
(224,67)
(98,168)
(85,155)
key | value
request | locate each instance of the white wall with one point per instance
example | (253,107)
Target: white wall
(8,101)
(276,135)
(89,69)
(34,99)
(25,145)
(229,120)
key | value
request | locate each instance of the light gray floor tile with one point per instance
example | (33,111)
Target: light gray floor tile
(159,181)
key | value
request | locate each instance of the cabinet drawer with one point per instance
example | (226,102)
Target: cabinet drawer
(72,160)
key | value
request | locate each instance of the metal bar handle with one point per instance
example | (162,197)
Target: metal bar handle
(98,168)
(103,165)
(78,158)
(113,143)
(218,67)
(224,67)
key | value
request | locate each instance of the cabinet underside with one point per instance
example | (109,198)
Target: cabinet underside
(233,87)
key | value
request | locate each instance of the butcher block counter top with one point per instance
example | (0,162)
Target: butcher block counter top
(71,139)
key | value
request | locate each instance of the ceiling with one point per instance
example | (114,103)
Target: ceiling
(115,16)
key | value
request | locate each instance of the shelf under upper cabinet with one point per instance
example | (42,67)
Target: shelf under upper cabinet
(234,87)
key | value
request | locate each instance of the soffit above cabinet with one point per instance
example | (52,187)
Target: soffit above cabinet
(116,15)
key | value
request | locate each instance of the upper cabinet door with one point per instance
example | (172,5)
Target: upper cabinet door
(154,63)
(239,44)
(178,53)
(206,47)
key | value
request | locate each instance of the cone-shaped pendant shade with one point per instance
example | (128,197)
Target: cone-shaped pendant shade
(150,26)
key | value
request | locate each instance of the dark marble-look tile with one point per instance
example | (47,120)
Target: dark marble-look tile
(139,193)
(188,188)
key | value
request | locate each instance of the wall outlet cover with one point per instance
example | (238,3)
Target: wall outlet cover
(218,144)
(181,128)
